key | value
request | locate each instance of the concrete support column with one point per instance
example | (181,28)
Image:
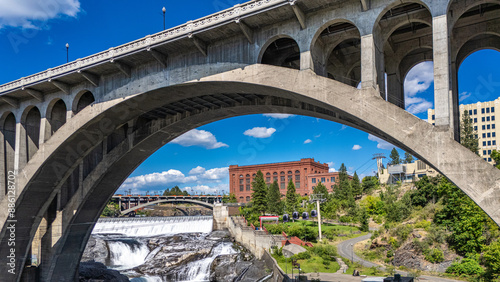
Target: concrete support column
(49,239)
(443,101)
(20,158)
(395,93)
(372,65)
(455,101)
(306,61)
(45,133)
(368,66)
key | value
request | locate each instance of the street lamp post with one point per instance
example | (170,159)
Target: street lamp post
(163,10)
(67,52)
(352,253)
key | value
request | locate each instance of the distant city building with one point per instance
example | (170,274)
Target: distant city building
(305,174)
(406,173)
(484,122)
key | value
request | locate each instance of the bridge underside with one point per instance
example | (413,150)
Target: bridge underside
(114,137)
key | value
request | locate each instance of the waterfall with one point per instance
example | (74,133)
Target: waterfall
(126,254)
(133,245)
(148,227)
(200,270)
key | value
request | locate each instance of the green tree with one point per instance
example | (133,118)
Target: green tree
(491,259)
(408,158)
(291,198)
(466,221)
(274,198)
(495,155)
(467,134)
(259,194)
(426,191)
(394,157)
(357,190)
(321,189)
(343,189)
(369,184)
(232,198)
(364,220)
(111,210)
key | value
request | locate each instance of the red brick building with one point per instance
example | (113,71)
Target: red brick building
(241,177)
(328,179)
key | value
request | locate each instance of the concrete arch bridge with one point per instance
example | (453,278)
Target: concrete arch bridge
(166,201)
(71,135)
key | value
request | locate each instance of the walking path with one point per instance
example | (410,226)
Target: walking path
(346,250)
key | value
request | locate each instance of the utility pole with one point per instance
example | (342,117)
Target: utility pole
(318,198)
(379,158)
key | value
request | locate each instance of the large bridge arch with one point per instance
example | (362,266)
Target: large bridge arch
(166,201)
(250,90)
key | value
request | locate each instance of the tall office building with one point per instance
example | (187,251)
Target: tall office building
(485,124)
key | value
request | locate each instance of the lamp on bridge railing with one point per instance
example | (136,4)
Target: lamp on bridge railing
(163,10)
(67,52)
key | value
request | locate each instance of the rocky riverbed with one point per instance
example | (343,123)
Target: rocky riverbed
(180,257)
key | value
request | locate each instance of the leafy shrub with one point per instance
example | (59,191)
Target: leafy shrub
(345,219)
(434,256)
(326,251)
(424,224)
(390,253)
(420,246)
(468,266)
(303,255)
(402,232)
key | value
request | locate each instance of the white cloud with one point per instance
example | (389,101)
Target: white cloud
(260,132)
(317,136)
(214,174)
(356,147)
(198,175)
(200,138)
(417,105)
(464,95)
(278,116)
(197,170)
(382,144)
(331,166)
(307,141)
(343,127)
(30,13)
(418,80)
(171,176)
(205,189)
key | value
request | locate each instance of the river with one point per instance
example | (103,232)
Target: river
(162,249)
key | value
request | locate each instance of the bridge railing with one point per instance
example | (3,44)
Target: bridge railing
(152,219)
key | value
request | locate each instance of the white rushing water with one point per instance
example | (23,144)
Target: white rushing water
(149,227)
(126,255)
(127,241)
(200,270)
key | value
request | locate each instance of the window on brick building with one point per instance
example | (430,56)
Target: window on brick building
(297,185)
(313,180)
(241,188)
(333,179)
(282,185)
(323,180)
(241,199)
(248,187)
(282,178)
(248,198)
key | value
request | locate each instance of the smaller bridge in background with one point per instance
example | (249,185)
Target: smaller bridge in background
(130,203)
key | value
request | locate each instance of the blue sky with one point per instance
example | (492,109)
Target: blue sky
(35,33)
